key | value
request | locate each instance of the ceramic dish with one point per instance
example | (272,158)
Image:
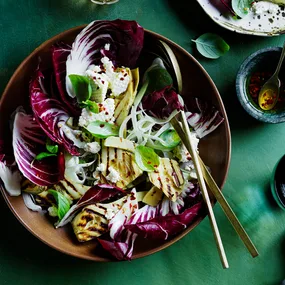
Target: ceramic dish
(262,60)
(264,25)
(214,149)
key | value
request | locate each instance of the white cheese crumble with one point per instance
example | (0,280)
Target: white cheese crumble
(110,213)
(93,147)
(106,113)
(100,167)
(107,47)
(261,7)
(114,175)
(52,211)
(107,77)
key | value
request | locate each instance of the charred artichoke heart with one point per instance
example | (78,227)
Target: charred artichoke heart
(121,161)
(168,178)
(31,188)
(89,224)
(124,102)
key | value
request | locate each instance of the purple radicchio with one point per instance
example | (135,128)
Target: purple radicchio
(28,141)
(122,242)
(163,227)
(60,53)
(203,117)
(162,103)
(96,194)
(228,5)
(167,218)
(11,178)
(50,113)
(120,40)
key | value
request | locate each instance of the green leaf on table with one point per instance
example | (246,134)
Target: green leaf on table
(146,158)
(62,203)
(43,155)
(51,146)
(91,105)
(102,130)
(241,7)
(82,87)
(211,45)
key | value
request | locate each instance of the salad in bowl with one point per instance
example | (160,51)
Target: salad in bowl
(95,150)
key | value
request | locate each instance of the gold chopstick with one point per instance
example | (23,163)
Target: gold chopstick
(217,192)
(205,194)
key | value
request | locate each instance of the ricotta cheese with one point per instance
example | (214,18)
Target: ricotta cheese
(106,113)
(262,7)
(113,176)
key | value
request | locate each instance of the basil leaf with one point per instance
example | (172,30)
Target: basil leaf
(82,87)
(211,45)
(102,130)
(241,7)
(51,147)
(62,203)
(146,158)
(43,155)
(91,105)
(158,79)
(170,139)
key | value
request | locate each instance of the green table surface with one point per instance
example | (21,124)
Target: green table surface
(256,147)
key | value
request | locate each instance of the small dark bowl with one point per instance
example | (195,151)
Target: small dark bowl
(277,183)
(264,60)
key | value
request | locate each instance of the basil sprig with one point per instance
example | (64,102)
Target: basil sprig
(52,150)
(146,158)
(62,202)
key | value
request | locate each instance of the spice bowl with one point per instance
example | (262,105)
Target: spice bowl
(252,74)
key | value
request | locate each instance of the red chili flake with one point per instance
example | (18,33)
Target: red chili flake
(100,105)
(122,78)
(102,81)
(102,126)
(106,113)
(125,74)
(155,165)
(149,162)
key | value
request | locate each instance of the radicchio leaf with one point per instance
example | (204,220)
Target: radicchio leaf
(203,117)
(122,241)
(162,103)
(228,5)
(50,113)
(60,53)
(2,155)
(11,180)
(28,141)
(163,227)
(120,250)
(123,38)
(95,194)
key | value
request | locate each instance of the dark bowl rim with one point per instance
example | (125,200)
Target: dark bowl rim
(189,228)
(243,98)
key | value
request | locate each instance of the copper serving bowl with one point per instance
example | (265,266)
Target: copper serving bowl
(214,149)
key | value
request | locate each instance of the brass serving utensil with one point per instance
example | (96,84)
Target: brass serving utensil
(184,134)
(197,166)
(269,93)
